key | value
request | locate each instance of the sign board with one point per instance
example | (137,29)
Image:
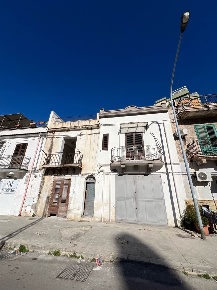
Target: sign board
(8,186)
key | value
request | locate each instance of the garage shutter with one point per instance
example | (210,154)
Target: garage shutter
(140,199)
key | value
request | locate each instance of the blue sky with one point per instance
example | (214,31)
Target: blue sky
(77,56)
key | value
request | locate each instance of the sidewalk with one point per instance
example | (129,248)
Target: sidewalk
(165,246)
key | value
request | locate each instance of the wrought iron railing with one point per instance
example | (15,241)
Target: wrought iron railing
(149,152)
(193,149)
(202,101)
(63,159)
(14,162)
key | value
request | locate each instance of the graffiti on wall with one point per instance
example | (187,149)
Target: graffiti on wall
(8,186)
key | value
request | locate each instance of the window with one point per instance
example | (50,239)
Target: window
(207,138)
(18,155)
(134,144)
(20,149)
(105,140)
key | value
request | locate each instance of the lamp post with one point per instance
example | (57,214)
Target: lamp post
(184,22)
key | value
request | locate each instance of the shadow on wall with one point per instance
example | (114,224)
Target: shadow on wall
(139,267)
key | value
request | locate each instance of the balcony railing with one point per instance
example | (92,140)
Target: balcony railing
(193,149)
(201,107)
(14,162)
(60,159)
(133,153)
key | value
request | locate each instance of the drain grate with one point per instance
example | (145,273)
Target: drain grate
(77,272)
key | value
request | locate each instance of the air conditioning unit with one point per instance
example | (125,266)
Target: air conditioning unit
(203,176)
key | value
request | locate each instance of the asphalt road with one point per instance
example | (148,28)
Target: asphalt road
(34,271)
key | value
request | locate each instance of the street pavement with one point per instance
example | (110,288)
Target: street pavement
(160,246)
(40,271)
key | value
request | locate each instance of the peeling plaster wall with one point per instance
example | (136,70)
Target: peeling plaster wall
(45,192)
(87,137)
(205,191)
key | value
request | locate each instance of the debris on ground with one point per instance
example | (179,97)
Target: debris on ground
(99,261)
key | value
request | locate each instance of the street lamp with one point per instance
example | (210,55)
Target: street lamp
(184,22)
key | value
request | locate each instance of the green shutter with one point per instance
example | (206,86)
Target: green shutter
(207,138)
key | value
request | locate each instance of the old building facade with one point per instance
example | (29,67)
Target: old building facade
(197,118)
(69,169)
(21,145)
(117,167)
(139,166)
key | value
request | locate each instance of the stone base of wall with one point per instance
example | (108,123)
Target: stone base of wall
(75,217)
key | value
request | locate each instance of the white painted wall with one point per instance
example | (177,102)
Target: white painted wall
(159,124)
(28,186)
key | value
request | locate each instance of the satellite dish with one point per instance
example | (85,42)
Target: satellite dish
(202,175)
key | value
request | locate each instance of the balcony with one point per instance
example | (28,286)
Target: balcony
(195,153)
(63,160)
(201,107)
(135,156)
(14,162)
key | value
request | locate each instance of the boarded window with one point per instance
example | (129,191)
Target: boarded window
(134,144)
(105,140)
(207,138)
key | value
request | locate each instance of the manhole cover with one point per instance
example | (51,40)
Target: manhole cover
(77,272)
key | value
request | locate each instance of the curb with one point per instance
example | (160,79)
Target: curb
(187,269)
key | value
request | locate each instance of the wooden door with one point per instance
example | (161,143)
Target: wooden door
(59,198)
(64,198)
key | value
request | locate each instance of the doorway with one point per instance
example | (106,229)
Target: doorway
(68,151)
(89,197)
(59,200)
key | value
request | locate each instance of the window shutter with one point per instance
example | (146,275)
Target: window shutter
(18,156)
(20,149)
(138,141)
(212,135)
(129,140)
(105,140)
(207,138)
(134,142)
(202,134)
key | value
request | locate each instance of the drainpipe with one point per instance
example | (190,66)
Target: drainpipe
(30,175)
